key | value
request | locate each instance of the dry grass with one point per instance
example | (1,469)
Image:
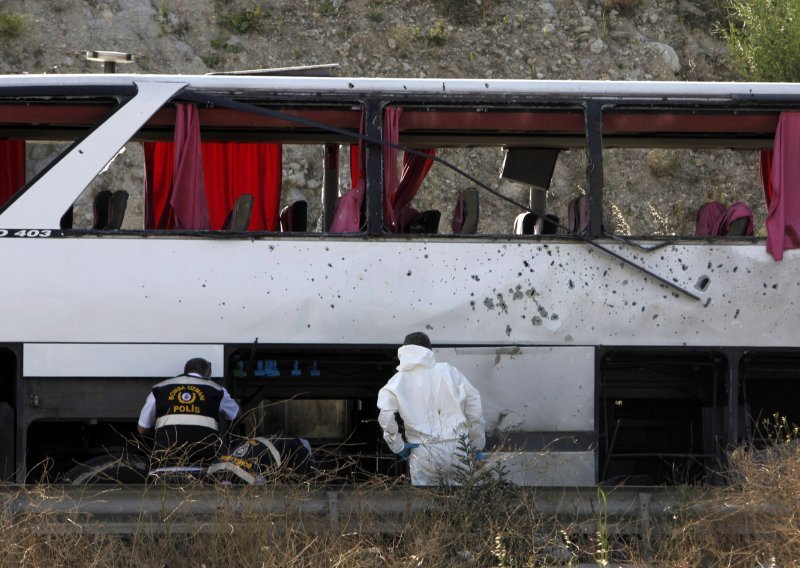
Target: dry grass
(484,522)
(754,521)
(454,533)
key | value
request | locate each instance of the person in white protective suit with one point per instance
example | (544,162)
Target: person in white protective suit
(438,407)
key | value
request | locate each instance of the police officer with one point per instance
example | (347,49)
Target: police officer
(185,413)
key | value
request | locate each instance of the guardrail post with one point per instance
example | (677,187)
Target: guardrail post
(6,509)
(333,510)
(644,524)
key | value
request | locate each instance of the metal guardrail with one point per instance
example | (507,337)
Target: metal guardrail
(109,509)
(645,514)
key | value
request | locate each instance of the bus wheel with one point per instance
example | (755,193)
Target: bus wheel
(109,469)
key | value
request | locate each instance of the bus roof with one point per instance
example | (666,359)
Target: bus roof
(437,112)
(654,90)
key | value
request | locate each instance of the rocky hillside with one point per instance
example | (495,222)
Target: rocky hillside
(529,39)
(556,39)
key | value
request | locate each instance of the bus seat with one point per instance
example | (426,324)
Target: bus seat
(67,218)
(467,212)
(294,217)
(416,222)
(708,219)
(239,217)
(524,223)
(405,218)
(741,227)
(737,221)
(578,215)
(714,219)
(116,210)
(428,220)
(547,225)
(100,209)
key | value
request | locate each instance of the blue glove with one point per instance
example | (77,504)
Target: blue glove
(406,451)
(480,456)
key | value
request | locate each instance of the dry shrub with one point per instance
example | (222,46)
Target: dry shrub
(754,521)
(619,223)
(40,539)
(661,162)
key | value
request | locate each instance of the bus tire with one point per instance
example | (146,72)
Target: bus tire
(109,469)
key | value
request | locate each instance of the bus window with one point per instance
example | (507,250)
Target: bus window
(124,173)
(442,185)
(475,142)
(283,168)
(659,191)
(37,132)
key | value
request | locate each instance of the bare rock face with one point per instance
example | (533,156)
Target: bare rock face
(515,39)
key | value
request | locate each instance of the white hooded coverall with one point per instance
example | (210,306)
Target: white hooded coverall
(438,406)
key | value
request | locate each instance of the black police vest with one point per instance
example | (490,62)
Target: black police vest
(187,410)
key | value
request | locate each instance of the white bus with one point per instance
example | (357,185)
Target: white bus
(604,350)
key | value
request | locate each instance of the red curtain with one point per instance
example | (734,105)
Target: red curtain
(158,163)
(188,195)
(398,196)
(229,169)
(783,211)
(347,218)
(391,133)
(12,168)
(415,168)
(358,174)
(235,168)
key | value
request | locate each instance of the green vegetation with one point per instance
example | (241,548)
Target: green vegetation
(763,37)
(246,20)
(211,60)
(11,25)
(439,34)
(404,36)
(223,43)
(407,37)
(376,16)
(328,8)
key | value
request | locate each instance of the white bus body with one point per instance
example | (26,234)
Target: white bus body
(558,335)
